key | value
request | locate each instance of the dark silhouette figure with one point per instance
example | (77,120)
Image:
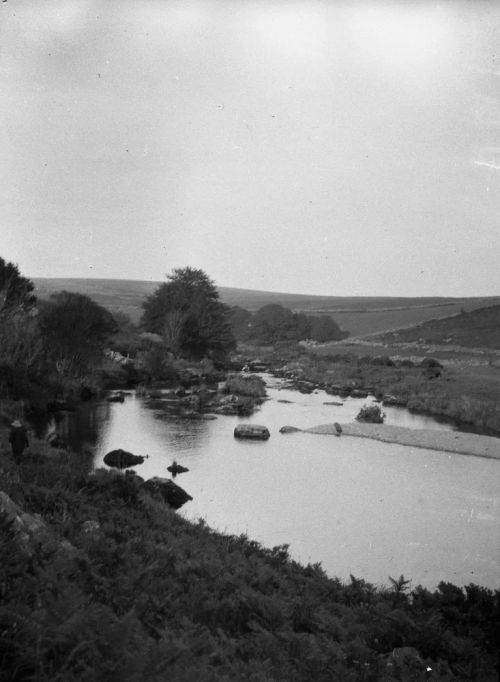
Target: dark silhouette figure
(18,439)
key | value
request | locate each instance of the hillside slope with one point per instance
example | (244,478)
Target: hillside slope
(359,315)
(473,329)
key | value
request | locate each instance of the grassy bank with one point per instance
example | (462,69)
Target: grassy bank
(465,392)
(125,589)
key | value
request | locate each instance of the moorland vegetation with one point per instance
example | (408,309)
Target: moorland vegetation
(99,579)
(109,583)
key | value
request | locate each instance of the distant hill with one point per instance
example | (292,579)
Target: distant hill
(478,328)
(359,315)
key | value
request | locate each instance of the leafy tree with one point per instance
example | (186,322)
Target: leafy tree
(323,328)
(127,339)
(20,346)
(16,291)
(241,322)
(273,323)
(75,330)
(304,326)
(187,313)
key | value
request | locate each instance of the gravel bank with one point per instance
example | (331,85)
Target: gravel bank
(445,441)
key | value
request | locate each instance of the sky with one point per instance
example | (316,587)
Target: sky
(308,146)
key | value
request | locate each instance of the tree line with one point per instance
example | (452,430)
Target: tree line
(60,342)
(56,342)
(273,323)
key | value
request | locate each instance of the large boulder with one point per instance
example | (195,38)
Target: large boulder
(121,459)
(169,491)
(252,431)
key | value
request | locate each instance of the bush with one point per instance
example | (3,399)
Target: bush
(250,385)
(371,414)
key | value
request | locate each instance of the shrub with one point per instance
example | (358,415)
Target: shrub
(250,385)
(371,414)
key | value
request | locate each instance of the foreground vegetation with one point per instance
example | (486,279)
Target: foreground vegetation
(122,588)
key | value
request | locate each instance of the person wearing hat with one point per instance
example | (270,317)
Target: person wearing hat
(18,439)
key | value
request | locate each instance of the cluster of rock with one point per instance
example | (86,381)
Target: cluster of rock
(167,490)
(234,397)
(295,382)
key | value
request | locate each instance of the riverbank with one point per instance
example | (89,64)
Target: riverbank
(464,392)
(431,439)
(111,572)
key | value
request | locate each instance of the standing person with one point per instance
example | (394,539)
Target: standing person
(18,439)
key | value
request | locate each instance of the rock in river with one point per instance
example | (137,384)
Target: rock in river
(169,491)
(121,459)
(289,429)
(175,468)
(253,431)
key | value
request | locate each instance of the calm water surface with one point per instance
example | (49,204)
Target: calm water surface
(358,506)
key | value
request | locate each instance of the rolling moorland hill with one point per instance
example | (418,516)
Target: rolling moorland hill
(359,315)
(473,329)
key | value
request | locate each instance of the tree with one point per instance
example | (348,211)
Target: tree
(127,339)
(20,345)
(187,313)
(15,290)
(241,322)
(303,324)
(75,330)
(273,323)
(323,328)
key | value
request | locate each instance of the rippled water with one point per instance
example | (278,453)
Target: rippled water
(356,505)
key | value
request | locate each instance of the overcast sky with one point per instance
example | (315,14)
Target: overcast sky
(311,147)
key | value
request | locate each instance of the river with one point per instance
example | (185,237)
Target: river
(356,505)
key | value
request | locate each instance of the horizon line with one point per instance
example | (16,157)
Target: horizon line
(280,293)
